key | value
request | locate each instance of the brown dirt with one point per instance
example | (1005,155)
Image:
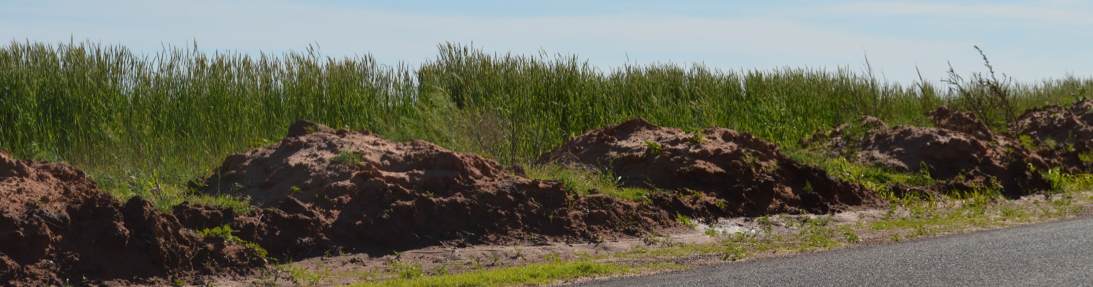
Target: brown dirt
(961,151)
(323,190)
(715,173)
(1059,134)
(57,228)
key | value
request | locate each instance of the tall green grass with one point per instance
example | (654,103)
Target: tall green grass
(133,119)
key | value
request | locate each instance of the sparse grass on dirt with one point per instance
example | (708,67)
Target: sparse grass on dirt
(584,181)
(874,178)
(760,237)
(727,240)
(531,274)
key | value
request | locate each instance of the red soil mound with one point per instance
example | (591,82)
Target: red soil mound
(57,227)
(961,150)
(328,190)
(733,173)
(1061,135)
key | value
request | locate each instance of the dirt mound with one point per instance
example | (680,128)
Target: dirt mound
(324,190)
(1064,136)
(951,119)
(961,150)
(721,172)
(56,227)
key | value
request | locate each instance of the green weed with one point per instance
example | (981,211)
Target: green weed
(685,221)
(347,156)
(653,148)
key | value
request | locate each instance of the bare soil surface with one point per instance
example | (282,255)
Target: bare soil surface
(324,191)
(57,228)
(1062,136)
(715,173)
(961,152)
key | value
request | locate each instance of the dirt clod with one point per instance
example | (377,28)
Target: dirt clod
(1062,136)
(322,190)
(962,152)
(715,173)
(57,228)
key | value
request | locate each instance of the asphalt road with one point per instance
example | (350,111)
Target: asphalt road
(1047,254)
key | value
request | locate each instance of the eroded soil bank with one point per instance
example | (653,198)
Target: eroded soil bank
(960,152)
(323,190)
(57,228)
(713,173)
(1061,136)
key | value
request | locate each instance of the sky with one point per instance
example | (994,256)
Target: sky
(1030,41)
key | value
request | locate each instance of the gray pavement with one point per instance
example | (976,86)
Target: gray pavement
(1047,254)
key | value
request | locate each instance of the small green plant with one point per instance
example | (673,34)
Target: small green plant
(895,237)
(303,277)
(518,253)
(653,148)
(404,270)
(698,138)
(1050,143)
(347,156)
(814,233)
(237,187)
(850,235)
(1027,141)
(1057,178)
(734,252)
(1086,157)
(711,232)
(477,263)
(220,231)
(227,233)
(440,270)
(685,221)
(765,223)
(294,189)
(750,160)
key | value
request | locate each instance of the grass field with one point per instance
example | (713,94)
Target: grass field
(135,121)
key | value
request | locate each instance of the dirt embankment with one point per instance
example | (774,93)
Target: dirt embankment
(714,173)
(57,228)
(1062,136)
(961,152)
(323,190)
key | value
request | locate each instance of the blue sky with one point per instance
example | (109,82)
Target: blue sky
(1028,40)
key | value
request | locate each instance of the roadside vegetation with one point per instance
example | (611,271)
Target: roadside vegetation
(137,121)
(768,236)
(148,124)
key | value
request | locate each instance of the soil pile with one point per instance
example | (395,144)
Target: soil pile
(324,190)
(715,173)
(1063,136)
(961,151)
(57,228)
